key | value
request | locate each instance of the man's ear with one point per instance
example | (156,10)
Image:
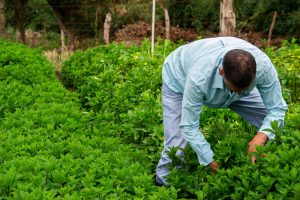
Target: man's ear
(221,71)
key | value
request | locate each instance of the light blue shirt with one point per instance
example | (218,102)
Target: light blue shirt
(193,70)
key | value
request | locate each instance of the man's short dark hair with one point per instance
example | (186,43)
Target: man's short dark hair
(239,68)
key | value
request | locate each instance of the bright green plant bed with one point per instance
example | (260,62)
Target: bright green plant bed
(103,139)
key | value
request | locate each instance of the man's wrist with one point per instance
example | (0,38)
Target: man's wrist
(261,137)
(213,165)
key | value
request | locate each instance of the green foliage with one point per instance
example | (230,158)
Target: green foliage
(103,139)
(286,60)
(50,148)
(205,15)
(106,72)
(256,15)
(251,15)
(37,15)
(274,176)
(130,105)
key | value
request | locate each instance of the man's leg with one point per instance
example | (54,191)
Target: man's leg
(251,108)
(172,103)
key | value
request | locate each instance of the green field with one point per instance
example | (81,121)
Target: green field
(98,134)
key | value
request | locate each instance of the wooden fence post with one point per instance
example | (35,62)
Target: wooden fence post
(62,39)
(153,28)
(107,28)
(227,18)
(167,22)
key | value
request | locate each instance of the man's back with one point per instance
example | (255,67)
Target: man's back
(200,58)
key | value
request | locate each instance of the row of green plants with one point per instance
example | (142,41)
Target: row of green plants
(100,136)
(51,148)
(121,85)
(275,175)
(286,59)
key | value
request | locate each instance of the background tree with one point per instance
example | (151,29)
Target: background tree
(70,18)
(19,15)
(251,15)
(2,18)
(83,20)
(254,15)
(203,15)
(40,17)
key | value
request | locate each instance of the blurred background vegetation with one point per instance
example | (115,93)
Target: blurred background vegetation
(39,22)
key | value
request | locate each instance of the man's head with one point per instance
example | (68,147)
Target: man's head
(239,69)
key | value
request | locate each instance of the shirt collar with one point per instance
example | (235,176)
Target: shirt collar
(218,80)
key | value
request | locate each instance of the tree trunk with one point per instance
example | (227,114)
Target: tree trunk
(107,28)
(62,40)
(167,22)
(96,26)
(153,27)
(63,27)
(2,18)
(20,18)
(227,18)
(63,16)
(271,28)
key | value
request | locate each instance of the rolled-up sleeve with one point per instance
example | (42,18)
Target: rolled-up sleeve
(271,94)
(192,103)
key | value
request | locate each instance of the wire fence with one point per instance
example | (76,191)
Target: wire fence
(49,36)
(94,29)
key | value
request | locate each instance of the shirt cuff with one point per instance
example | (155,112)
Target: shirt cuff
(270,135)
(206,158)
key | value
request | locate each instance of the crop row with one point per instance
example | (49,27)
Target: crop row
(123,84)
(286,59)
(50,148)
(103,139)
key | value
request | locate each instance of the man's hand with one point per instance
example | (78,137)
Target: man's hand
(213,166)
(259,139)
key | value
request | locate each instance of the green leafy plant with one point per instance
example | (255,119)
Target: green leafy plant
(103,139)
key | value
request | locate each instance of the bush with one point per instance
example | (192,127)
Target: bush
(123,88)
(50,148)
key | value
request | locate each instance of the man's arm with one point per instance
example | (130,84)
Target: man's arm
(193,99)
(270,91)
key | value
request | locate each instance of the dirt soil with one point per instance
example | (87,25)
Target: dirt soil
(137,32)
